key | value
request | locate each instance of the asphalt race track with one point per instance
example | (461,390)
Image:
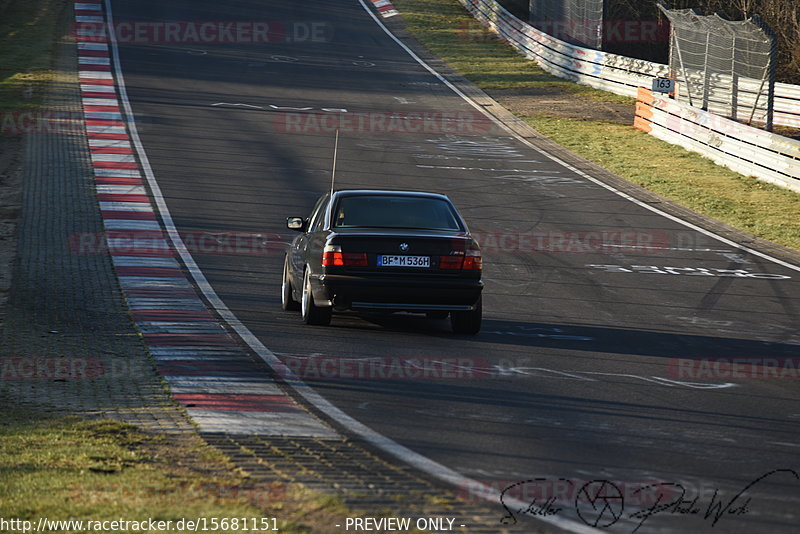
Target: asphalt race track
(604,322)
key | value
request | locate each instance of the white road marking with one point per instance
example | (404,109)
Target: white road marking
(109,143)
(144,261)
(96,74)
(105,115)
(117,173)
(103,129)
(121,189)
(687,271)
(98,88)
(502,160)
(237,104)
(153,282)
(92,46)
(130,224)
(125,206)
(91,60)
(525,171)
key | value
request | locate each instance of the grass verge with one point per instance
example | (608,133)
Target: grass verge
(29,30)
(64,468)
(767,211)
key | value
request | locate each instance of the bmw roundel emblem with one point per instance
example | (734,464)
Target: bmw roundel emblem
(403,246)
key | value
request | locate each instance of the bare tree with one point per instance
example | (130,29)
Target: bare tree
(783,16)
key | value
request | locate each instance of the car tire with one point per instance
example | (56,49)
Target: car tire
(436,315)
(312,314)
(287,293)
(467,322)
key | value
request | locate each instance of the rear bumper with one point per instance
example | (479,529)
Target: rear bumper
(398,293)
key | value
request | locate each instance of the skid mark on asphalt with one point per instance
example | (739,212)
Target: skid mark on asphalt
(209,374)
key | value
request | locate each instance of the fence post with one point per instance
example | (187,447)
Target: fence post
(706,80)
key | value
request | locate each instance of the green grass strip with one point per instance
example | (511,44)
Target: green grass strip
(64,468)
(767,211)
(29,30)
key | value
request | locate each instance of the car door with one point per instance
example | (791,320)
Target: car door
(299,253)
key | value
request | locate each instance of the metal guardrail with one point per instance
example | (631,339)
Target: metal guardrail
(746,150)
(618,74)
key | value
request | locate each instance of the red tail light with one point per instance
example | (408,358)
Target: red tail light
(451,262)
(333,256)
(355,259)
(473,263)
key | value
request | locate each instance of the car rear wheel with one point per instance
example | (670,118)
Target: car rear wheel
(287,296)
(312,314)
(467,322)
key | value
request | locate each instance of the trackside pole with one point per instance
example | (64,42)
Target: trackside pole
(335,151)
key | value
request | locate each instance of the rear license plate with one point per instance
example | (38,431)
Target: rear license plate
(404,261)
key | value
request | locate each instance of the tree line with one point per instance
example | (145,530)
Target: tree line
(783,16)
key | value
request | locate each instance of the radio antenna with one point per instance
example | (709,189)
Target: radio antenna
(335,151)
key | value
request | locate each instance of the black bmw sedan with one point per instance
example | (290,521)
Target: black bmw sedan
(384,250)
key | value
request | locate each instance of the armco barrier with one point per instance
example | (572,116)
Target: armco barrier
(617,74)
(746,150)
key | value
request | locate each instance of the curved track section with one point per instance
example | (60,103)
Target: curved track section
(609,329)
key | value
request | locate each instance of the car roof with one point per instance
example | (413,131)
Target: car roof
(389,192)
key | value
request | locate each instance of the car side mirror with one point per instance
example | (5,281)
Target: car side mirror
(296,223)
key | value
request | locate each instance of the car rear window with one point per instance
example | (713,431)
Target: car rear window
(377,211)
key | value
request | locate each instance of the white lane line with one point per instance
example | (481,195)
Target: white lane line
(134,243)
(566,165)
(117,173)
(121,189)
(181,352)
(93,60)
(95,74)
(144,261)
(109,143)
(111,101)
(153,282)
(145,303)
(104,129)
(105,115)
(97,88)
(200,329)
(125,206)
(131,224)
(92,46)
